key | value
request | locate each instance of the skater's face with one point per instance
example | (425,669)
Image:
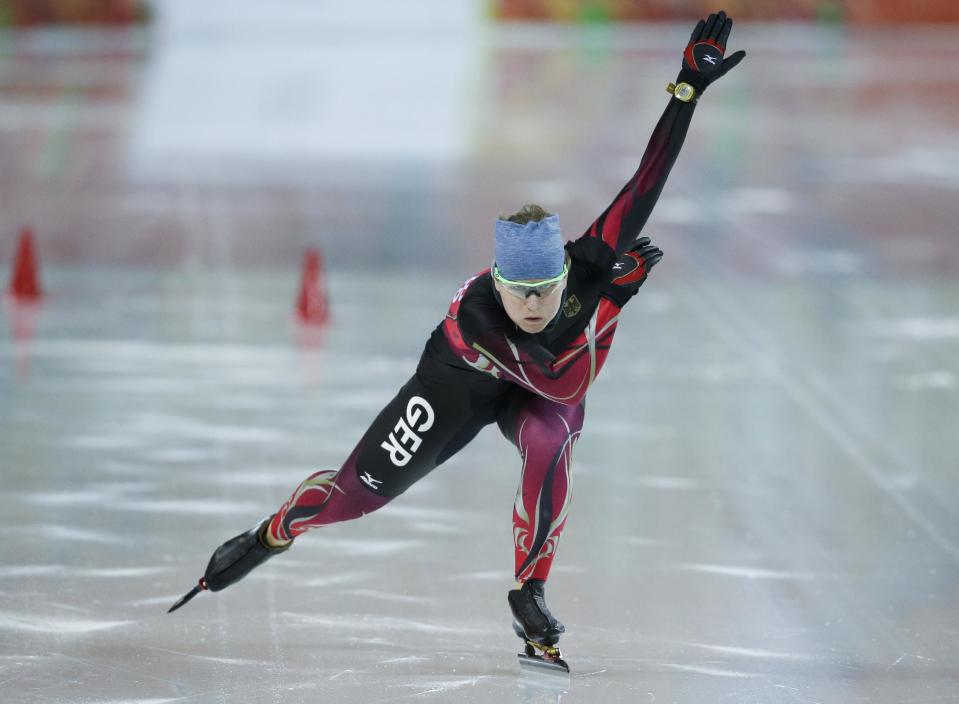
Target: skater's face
(531,309)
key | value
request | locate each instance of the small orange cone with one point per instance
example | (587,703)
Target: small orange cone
(25,284)
(312,306)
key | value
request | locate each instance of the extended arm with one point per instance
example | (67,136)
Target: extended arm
(620,224)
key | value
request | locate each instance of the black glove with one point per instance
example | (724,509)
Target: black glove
(703,59)
(631,270)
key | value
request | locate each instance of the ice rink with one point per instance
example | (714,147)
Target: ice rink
(766,502)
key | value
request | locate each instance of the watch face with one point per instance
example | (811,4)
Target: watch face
(684,91)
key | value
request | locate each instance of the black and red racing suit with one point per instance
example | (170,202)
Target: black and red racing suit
(479,368)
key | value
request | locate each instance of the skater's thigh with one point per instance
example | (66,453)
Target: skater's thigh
(423,426)
(521,406)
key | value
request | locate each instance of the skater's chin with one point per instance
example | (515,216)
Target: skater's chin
(533,324)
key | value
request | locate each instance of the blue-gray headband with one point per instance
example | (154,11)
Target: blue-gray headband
(529,252)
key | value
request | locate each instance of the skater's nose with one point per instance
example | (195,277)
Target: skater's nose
(533,302)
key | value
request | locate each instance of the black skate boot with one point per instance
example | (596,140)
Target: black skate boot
(539,630)
(233,561)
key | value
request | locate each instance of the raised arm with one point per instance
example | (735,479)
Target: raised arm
(621,223)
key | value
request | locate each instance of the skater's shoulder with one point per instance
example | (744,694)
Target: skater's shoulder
(590,257)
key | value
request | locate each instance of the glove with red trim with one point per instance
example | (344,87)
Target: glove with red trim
(703,60)
(631,270)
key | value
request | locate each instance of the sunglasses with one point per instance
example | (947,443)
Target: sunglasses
(523,289)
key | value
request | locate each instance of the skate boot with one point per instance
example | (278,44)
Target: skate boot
(537,627)
(233,560)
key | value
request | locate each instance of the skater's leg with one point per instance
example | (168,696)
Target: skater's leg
(544,433)
(328,496)
(423,426)
(430,419)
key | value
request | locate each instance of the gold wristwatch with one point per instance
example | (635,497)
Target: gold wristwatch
(681,91)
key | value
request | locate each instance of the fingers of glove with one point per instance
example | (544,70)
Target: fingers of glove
(653,259)
(645,252)
(718,27)
(710,31)
(724,33)
(731,62)
(641,242)
(697,32)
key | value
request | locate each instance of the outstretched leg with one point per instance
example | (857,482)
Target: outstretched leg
(423,426)
(432,417)
(328,496)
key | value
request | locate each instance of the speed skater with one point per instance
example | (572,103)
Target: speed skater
(520,345)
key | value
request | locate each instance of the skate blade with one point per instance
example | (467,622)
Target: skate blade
(186,597)
(539,664)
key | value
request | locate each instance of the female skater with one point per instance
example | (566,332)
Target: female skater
(520,345)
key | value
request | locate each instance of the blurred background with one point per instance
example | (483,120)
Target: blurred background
(766,496)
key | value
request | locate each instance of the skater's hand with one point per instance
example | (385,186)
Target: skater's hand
(631,271)
(703,60)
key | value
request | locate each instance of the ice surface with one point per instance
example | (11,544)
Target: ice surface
(765,489)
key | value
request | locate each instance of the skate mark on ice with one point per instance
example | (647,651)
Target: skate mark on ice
(66,533)
(407,658)
(713,671)
(48,499)
(206,658)
(139,701)
(31,623)
(670,483)
(154,600)
(378,624)
(341,578)
(744,572)
(486,576)
(438,686)
(200,507)
(340,674)
(592,673)
(65,571)
(371,547)
(389,596)
(749,652)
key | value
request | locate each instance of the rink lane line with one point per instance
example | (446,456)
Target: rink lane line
(740,335)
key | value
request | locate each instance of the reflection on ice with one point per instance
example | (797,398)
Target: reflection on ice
(925,329)
(765,497)
(939,379)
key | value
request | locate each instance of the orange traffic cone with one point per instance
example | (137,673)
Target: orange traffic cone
(25,284)
(312,306)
